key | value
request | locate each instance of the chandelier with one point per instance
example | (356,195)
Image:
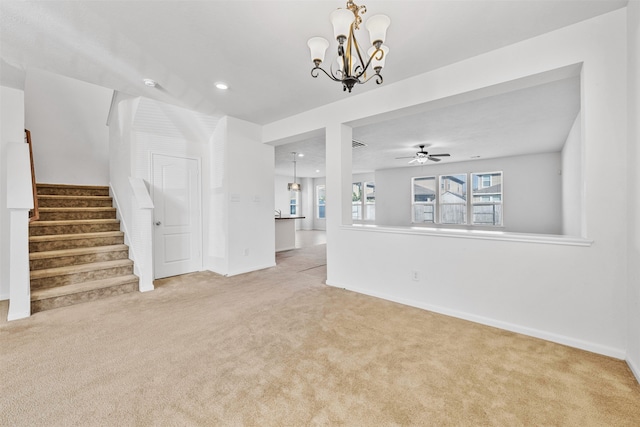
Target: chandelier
(352,65)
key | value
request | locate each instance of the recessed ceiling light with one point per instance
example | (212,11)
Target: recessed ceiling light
(300,155)
(149,82)
(317,170)
(222,86)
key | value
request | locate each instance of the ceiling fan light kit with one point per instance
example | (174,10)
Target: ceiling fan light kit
(422,157)
(352,64)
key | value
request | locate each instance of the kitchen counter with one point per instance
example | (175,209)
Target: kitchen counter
(286,232)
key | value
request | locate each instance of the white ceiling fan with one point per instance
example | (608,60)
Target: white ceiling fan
(421,157)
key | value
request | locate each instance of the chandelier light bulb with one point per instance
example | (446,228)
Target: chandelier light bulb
(377,26)
(318,46)
(341,19)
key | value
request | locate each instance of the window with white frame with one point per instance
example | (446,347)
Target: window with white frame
(423,191)
(369,201)
(356,200)
(486,198)
(294,198)
(447,201)
(453,199)
(363,201)
(320,201)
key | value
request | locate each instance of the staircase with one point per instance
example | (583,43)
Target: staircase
(76,249)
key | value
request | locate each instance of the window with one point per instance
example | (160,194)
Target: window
(443,199)
(486,198)
(369,201)
(424,199)
(356,200)
(453,199)
(363,201)
(293,202)
(320,201)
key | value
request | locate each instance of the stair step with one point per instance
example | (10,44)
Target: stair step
(52,201)
(72,190)
(41,228)
(60,276)
(62,296)
(61,214)
(71,241)
(67,257)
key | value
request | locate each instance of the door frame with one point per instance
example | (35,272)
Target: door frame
(199,222)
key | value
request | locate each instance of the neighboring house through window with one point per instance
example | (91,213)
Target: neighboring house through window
(486,198)
(446,201)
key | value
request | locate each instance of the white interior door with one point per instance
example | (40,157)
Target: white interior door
(176,198)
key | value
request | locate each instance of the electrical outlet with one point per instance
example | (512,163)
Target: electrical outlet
(415,275)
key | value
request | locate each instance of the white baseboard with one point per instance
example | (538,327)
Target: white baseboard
(536,333)
(249,270)
(634,369)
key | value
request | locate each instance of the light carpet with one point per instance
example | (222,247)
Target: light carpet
(279,348)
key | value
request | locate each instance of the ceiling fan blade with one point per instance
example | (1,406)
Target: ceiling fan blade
(406,157)
(434,159)
(439,155)
(414,160)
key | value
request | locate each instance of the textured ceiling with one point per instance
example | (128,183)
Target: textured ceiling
(536,119)
(259,49)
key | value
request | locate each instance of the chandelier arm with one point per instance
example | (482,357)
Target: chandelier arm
(364,70)
(314,75)
(366,67)
(377,76)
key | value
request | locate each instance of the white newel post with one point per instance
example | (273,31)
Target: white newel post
(144,226)
(19,201)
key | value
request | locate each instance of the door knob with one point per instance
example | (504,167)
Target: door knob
(158,223)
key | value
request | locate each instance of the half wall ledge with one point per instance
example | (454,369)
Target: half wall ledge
(473,234)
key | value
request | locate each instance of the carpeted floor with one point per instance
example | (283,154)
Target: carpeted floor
(279,348)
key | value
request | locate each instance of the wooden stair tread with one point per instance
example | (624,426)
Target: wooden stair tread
(53,237)
(72,197)
(40,223)
(77,251)
(80,268)
(78,209)
(92,187)
(75,288)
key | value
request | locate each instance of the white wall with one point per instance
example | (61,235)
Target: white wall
(572,179)
(11,131)
(531,191)
(633,160)
(216,201)
(240,235)
(570,294)
(251,198)
(67,119)
(306,202)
